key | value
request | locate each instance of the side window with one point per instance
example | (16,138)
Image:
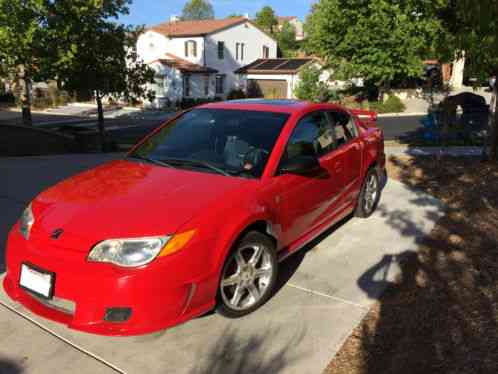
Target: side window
(191,48)
(312,136)
(344,127)
(221,50)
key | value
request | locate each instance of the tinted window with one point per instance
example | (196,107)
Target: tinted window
(236,141)
(344,127)
(312,136)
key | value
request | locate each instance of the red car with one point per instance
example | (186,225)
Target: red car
(197,216)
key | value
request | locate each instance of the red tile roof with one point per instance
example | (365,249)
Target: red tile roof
(282,19)
(196,28)
(184,65)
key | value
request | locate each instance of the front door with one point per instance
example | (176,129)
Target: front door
(308,201)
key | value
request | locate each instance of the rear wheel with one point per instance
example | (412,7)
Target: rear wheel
(369,195)
(248,276)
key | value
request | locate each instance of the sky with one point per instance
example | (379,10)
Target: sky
(151,12)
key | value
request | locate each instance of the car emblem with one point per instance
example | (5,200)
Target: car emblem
(56,234)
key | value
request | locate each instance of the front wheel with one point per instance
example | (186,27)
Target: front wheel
(248,276)
(369,195)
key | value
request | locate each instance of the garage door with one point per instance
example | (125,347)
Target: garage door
(268,88)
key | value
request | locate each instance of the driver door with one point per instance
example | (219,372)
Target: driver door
(308,201)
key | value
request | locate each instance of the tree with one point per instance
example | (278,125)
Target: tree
(266,19)
(96,55)
(197,9)
(473,30)
(310,87)
(235,15)
(287,39)
(22,37)
(379,40)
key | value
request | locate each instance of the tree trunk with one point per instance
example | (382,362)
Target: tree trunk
(494,124)
(101,121)
(27,119)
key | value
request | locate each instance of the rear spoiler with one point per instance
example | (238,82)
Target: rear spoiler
(367,118)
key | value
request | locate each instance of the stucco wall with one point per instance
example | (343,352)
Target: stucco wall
(254,40)
(152,46)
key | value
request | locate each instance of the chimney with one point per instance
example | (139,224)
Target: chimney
(246,15)
(174,18)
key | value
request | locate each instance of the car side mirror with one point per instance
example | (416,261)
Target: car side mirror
(300,165)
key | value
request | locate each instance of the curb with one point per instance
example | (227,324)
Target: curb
(404,114)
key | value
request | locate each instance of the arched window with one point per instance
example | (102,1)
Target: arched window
(190,48)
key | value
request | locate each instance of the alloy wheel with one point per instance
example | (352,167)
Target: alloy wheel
(371,193)
(246,277)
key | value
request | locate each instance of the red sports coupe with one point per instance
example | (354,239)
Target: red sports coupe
(197,216)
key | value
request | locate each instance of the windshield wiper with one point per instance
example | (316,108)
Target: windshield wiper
(195,163)
(151,160)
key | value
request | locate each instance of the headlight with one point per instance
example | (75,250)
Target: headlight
(128,252)
(26,222)
(138,251)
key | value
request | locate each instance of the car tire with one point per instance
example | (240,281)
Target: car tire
(369,195)
(247,280)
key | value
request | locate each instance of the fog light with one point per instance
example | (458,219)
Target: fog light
(117,314)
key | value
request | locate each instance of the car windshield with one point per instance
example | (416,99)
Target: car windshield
(222,141)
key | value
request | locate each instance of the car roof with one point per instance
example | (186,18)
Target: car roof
(265,105)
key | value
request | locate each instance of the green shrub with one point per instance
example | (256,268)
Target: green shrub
(312,89)
(41,102)
(7,98)
(393,104)
(58,97)
(236,94)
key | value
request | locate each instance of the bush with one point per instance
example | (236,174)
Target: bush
(393,104)
(236,94)
(41,102)
(187,103)
(58,97)
(312,89)
(7,98)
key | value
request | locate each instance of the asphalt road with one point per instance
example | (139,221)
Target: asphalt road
(399,127)
(394,128)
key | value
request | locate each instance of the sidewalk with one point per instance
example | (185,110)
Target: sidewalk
(433,151)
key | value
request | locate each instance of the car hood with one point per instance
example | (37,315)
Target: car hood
(123,199)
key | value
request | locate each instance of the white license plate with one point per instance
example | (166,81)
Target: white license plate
(36,281)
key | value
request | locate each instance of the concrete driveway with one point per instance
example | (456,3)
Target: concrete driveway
(324,292)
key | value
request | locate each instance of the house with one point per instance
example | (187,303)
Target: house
(294,21)
(275,77)
(198,59)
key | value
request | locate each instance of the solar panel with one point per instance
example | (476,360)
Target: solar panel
(293,64)
(269,65)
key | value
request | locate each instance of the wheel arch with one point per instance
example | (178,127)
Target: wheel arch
(263,225)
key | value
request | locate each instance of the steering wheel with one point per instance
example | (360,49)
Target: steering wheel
(255,156)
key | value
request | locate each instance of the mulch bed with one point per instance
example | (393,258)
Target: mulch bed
(441,316)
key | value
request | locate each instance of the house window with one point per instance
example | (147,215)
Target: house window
(186,85)
(206,85)
(221,50)
(266,52)
(220,84)
(190,48)
(239,51)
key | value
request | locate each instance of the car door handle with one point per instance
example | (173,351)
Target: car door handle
(338,167)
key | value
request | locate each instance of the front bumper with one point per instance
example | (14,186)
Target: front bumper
(159,298)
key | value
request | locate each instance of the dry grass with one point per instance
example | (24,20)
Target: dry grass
(441,316)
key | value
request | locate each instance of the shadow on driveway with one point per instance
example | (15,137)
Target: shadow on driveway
(9,367)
